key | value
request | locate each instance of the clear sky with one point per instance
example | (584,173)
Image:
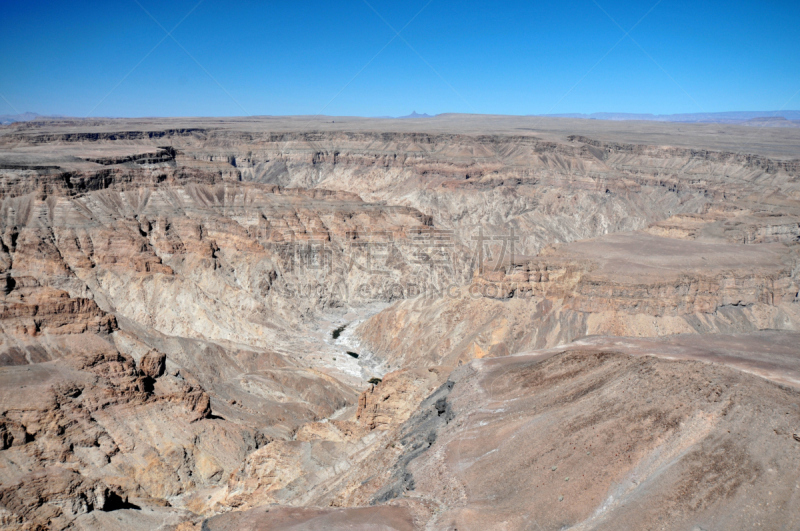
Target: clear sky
(95,58)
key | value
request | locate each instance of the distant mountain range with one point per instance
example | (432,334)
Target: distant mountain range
(414,114)
(761,118)
(6,119)
(749,118)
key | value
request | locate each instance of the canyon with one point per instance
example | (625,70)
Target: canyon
(459,322)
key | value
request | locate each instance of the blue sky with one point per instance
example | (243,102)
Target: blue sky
(343,58)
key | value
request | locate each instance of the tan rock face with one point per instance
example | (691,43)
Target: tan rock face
(153,363)
(630,284)
(55,497)
(31,311)
(191,314)
(393,400)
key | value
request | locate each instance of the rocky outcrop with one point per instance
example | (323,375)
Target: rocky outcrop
(54,498)
(734,227)
(393,400)
(68,447)
(46,310)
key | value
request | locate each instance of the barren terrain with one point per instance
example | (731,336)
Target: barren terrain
(460,322)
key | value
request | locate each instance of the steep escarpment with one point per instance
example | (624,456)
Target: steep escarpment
(631,284)
(244,250)
(547,191)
